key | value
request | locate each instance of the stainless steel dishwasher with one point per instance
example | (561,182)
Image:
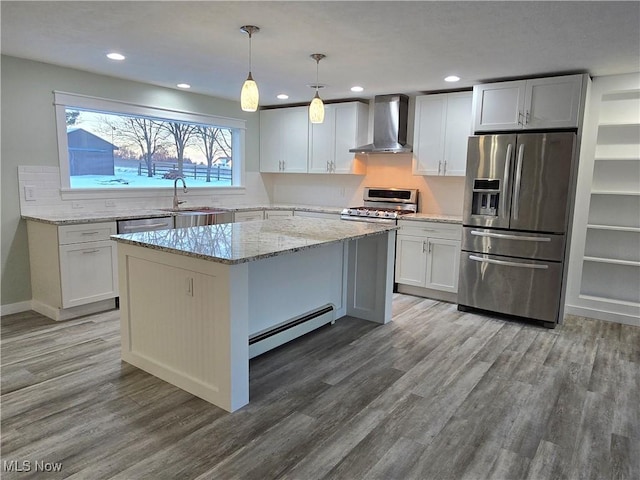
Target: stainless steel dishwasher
(145,224)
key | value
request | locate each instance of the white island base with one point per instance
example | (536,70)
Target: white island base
(195,323)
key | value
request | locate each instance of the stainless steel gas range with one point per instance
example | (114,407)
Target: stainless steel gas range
(383,205)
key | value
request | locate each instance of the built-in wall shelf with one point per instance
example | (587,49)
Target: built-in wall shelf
(614,192)
(608,204)
(614,227)
(609,300)
(612,261)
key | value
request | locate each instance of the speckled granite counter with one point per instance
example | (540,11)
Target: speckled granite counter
(433,217)
(83,216)
(233,243)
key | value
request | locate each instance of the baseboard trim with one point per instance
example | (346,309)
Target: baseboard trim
(427,293)
(61,314)
(11,308)
(602,315)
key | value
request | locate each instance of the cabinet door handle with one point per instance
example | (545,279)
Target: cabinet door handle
(444,172)
(520,117)
(439,165)
(95,250)
(89,233)
(526,118)
(424,246)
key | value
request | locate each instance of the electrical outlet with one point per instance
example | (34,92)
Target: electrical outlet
(29,193)
(76,205)
(109,203)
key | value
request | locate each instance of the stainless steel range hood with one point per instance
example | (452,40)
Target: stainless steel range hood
(389,126)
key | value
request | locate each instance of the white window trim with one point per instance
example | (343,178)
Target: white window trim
(62,100)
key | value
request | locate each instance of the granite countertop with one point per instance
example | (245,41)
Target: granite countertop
(84,216)
(233,243)
(433,217)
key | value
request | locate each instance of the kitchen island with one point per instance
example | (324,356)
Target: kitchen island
(197,303)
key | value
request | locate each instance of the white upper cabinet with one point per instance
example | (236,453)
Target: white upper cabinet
(553,102)
(284,140)
(539,103)
(344,127)
(441,130)
(289,143)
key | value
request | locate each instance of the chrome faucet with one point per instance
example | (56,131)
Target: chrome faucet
(176,202)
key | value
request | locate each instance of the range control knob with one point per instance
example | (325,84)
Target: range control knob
(377,214)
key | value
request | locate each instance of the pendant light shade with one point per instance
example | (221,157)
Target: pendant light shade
(316,108)
(249,95)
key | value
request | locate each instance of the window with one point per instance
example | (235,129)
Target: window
(106,144)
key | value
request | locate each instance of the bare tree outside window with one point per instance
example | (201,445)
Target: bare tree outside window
(181,133)
(215,144)
(107,149)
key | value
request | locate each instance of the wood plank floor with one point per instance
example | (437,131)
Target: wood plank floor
(436,394)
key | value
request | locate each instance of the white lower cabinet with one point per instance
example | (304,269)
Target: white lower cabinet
(250,216)
(87,272)
(443,264)
(73,268)
(428,255)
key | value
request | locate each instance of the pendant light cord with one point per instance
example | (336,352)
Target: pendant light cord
(249,52)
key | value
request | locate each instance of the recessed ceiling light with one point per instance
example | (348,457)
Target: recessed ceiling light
(357,88)
(183,85)
(282,96)
(115,56)
(451,78)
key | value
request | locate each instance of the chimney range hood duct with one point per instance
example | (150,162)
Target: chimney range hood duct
(389,125)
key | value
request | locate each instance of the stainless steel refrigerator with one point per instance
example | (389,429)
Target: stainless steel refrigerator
(515,224)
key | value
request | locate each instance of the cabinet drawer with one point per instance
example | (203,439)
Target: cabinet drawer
(430,229)
(87,232)
(250,216)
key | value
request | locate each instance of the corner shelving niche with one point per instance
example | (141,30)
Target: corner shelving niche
(611,261)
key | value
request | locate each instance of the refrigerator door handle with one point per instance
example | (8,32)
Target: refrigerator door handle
(505,182)
(510,237)
(536,266)
(518,179)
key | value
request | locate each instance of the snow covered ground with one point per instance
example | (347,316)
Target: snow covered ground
(128,177)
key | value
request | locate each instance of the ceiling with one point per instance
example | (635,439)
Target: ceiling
(386,47)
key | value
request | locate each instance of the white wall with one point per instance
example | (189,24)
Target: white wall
(441,195)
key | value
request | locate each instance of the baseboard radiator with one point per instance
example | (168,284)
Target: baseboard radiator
(282,333)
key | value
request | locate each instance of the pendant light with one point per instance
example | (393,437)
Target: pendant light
(316,108)
(249,95)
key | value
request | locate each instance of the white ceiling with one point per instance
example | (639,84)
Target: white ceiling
(387,47)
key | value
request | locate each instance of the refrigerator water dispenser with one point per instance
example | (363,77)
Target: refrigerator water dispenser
(486,196)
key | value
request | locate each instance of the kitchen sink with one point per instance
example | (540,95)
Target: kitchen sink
(197,217)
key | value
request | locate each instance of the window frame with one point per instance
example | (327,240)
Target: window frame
(64,100)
